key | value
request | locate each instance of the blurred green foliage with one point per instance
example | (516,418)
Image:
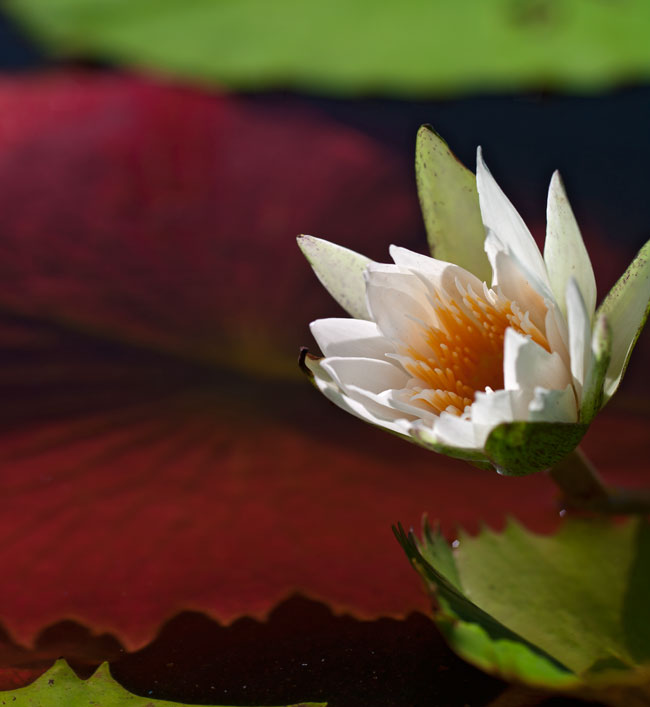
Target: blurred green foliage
(410,48)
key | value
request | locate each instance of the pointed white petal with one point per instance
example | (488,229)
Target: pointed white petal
(340,271)
(515,282)
(333,392)
(450,206)
(490,409)
(365,373)
(404,401)
(553,406)
(626,309)
(557,332)
(396,299)
(350,337)
(457,432)
(564,250)
(526,365)
(579,336)
(398,426)
(437,274)
(500,216)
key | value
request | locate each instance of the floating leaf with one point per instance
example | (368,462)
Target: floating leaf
(566,611)
(416,48)
(60,687)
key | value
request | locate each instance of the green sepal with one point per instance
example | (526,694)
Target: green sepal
(60,687)
(565,612)
(593,393)
(340,271)
(626,309)
(520,448)
(450,205)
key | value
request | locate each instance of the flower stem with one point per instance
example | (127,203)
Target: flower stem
(584,490)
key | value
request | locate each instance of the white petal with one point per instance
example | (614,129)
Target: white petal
(564,250)
(526,365)
(365,373)
(557,332)
(331,391)
(350,337)
(459,432)
(500,216)
(490,409)
(362,378)
(436,273)
(340,271)
(553,406)
(404,401)
(391,404)
(579,336)
(515,282)
(395,299)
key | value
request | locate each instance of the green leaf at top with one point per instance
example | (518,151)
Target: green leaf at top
(626,309)
(421,47)
(567,611)
(450,206)
(60,687)
(519,448)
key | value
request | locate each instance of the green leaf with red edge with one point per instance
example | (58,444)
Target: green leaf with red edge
(566,612)
(60,687)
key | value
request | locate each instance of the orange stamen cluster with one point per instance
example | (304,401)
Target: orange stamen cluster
(463,351)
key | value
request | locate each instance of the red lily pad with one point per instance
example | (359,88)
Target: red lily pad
(148,277)
(167,217)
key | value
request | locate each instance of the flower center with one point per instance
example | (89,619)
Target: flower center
(463,349)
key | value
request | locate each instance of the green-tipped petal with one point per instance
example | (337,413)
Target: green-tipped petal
(626,309)
(519,448)
(601,346)
(564,250)
(340,271)
(450,206)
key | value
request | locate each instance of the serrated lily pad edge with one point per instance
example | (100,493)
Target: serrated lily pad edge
(50,689)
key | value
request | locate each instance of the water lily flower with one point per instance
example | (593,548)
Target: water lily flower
(489,351)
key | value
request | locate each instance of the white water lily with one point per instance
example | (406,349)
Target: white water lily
(508,373)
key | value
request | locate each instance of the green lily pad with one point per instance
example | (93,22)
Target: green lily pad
(417,48)
(60,687)
(566,612)
(520,448)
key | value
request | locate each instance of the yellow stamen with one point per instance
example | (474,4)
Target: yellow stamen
(465,348)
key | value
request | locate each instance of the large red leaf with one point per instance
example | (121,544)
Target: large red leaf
(168,217)
(147,253)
